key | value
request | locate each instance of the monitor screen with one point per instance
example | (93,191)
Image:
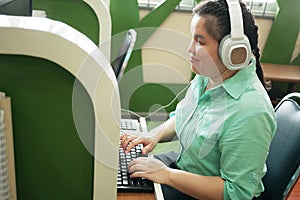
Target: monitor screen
(16,7)
(124,53)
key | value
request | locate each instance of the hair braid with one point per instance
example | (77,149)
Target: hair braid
(251,30)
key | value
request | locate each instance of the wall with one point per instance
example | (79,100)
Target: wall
(165,68)
(156,70)
(178,70)
(282,45)
(279,40)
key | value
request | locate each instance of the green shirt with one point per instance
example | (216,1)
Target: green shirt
(227,131)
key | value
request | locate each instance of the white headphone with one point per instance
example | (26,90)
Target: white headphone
(235,49)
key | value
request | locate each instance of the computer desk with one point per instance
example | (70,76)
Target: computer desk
(157,195)
(282,73)
(135,196)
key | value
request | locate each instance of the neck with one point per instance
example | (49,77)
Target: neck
(217,80)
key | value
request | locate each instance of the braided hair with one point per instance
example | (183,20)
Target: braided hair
(218,25)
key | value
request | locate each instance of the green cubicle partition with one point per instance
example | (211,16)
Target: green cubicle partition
(51,161)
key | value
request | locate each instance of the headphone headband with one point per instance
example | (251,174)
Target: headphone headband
(236,19)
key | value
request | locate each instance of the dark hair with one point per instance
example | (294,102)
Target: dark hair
(218,25)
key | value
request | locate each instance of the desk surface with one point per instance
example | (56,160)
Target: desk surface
(281,73)
(135,196)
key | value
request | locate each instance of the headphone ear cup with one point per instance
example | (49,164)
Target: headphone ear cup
(223,49)
(235,54)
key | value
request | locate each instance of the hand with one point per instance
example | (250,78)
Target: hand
(149,168)
(128,141)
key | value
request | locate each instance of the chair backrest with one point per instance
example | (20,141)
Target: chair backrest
(284,155)
(124,53)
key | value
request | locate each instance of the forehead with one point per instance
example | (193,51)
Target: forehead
(199,28)
(198,24)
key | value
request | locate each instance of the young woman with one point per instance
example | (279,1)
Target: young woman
(225,123)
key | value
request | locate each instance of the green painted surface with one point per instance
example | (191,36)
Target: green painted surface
(166,146)
(281,42)
(144,97)
(51,161)
(283,35)
(75,13)
(157,95)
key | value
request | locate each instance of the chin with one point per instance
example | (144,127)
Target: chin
(194,69)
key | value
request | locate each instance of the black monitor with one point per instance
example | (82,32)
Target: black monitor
(16,7)
(124,53)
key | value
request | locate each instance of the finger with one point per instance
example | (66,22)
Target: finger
(148,148)
(129,147)
(132,144)
(138,161)
(123,139)
(126,140)
(135,168)
(122,135)
(138,175)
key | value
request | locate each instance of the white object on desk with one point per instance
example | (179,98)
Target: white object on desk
(39,13)
(4,186)
(157,187)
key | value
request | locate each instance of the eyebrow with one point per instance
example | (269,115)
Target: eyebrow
(199,36)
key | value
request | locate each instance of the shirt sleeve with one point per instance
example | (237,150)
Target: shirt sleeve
(244,149)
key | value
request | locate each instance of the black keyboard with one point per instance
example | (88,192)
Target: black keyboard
(125,183)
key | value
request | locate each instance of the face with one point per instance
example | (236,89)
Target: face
(203,50)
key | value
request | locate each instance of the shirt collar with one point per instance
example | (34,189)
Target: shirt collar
(237,84)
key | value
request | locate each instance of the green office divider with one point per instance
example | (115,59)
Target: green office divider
(75,13)
(51,161)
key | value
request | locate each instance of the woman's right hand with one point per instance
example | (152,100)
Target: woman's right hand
(128,141)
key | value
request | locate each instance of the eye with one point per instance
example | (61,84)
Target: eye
(199,40)
(201,43)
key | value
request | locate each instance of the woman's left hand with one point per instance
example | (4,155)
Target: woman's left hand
(149,168)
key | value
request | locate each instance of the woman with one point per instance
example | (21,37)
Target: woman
(225,123)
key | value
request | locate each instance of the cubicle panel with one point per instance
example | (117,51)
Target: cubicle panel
(51,160)
(57,54)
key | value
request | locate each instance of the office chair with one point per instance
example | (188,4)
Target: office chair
(120,62)
(284,155)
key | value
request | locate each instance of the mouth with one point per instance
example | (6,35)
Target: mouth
(193,60)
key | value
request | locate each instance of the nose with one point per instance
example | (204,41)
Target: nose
(191,48)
